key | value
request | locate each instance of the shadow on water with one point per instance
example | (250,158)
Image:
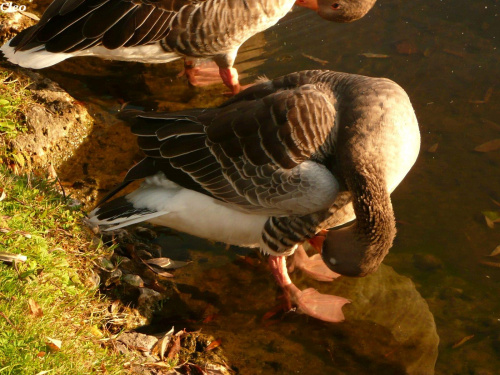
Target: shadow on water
(447,59)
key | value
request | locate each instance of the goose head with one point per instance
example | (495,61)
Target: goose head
(348,252)
(358,249)
(343,10)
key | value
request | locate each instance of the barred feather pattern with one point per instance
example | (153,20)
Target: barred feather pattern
(273,149)
(194,28)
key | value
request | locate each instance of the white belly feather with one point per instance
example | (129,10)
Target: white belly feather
(197,214)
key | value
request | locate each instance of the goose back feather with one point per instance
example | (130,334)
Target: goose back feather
(283,152)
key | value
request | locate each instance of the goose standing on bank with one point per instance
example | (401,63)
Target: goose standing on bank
(274,166)
(157,31)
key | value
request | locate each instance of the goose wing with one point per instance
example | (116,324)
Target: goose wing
(73,25)
(264,155)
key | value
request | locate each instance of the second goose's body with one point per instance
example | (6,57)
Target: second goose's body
(158,30)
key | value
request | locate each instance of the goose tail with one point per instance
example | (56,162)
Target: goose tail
(32,55)
(119,213)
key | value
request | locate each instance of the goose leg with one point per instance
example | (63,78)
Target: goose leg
(230,78)
(313,266)
(309,301)
(201,74)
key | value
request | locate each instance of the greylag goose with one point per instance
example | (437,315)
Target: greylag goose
(156,31)
(276,165)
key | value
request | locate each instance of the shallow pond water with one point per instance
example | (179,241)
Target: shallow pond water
(446,56)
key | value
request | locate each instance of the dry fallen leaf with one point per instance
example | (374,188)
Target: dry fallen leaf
(489,146)
(322,62)
(489,222)
(490,264)
(490,123)
(454,53)
(8,257)
(157,364)
(21,232)
(433,148)
(2,194)
(175,348)
(216,369)
(495,252)
(491,217)
(160,262)
(214,344)
(53,345)
(34,308)
(462,341)
(374,55)
(163,342)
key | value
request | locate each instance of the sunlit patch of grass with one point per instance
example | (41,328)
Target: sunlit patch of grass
(14,99)
(37,222)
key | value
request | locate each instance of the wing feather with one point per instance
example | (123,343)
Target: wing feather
(255,154)
(112,23)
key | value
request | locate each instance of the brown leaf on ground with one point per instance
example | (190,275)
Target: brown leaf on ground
(370,55)
(214,344)
(462,341)
(160,262)
(21,232)
(53,345)
(156,270)
(495,252)
(490,123)
(157,364)
(433,148)
(34,308)
(166,263)
(322,62)
(490,264)
(163,343)
(12,258)
(489,222)
(454,53)
(175,348)
(491,217)
(489,146)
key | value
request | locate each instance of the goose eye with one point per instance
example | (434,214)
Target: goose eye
(336,6)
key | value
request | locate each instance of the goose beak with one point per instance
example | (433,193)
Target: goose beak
(311,4)
(317,241)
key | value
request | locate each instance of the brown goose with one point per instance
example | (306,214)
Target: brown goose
(274,166)
(157,31)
